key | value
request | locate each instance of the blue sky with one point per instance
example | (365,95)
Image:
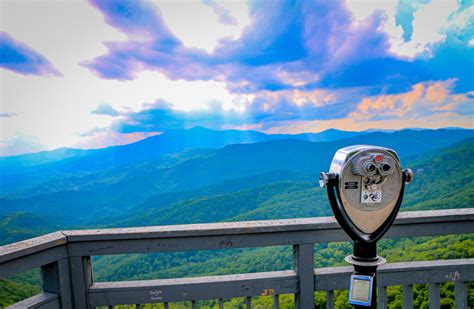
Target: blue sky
(98,73)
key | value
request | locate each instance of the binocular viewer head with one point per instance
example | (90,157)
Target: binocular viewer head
(368,184)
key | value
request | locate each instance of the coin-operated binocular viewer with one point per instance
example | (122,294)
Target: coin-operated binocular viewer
(365,187)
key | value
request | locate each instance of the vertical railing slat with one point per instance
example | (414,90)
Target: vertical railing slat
(382,297)
(56,279)
(408,296)
(276,301)
(330,300)
(460,295)
(434,297)
(304,268)
(81,278)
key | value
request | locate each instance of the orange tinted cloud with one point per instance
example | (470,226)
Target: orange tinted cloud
(440,120)
(424,98)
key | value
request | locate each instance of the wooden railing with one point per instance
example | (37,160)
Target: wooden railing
(65,261)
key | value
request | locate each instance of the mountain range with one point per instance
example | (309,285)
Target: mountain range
(89,186)
(201,175)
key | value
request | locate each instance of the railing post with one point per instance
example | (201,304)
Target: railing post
(304,268)
(434,297)
(460,295)
(81,274)
(56,279)
(330,300)
(276,301)
(382,297)
(408,296)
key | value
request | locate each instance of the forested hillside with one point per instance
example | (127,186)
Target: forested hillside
(271,180)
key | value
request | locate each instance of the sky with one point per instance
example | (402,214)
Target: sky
(91,74)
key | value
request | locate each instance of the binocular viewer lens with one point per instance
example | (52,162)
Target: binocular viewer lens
(370,167)
(385,167)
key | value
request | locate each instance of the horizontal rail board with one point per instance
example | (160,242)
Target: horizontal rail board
(35,252)
(39,301)
(272,283)
(188,289)
(32,261)
(258,227)
(30,246)
(255,233)
(419,272)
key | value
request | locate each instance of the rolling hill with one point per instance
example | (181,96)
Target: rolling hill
(267,180)
(115,190)
(440,182)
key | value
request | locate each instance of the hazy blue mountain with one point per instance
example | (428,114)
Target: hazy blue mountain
(440,182)
(112,191)
(32,169)
(68,159)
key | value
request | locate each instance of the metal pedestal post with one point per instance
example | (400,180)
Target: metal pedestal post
(365,261)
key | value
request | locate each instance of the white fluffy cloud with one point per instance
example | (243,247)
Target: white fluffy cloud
(58,110)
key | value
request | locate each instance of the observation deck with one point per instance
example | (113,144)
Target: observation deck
(64,258)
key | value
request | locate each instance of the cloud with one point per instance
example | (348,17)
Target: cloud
(304,45)
(405,15)
(423,99)
(267,110)
(262,109)
(222,13)
(20,144)
(106,109)
(161,116)
(8,115)
(434,121)
(20,58)
(105,137)
(282,43)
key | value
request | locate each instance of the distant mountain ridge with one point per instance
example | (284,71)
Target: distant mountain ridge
(87,195)
(154,146)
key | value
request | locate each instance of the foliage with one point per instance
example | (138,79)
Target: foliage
(272,186)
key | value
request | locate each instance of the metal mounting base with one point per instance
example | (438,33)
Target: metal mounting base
(357,261)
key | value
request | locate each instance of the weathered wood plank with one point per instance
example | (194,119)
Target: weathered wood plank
(382,300)
(81,275)
(30,246)
(248,302)
(304,268)
(419,272)
(56,279)
(434,296)
(264,226)
(32,261)
(276,301)
(330,300)
(234,234)
(254,233)
(408,296)
(203,243)
(460,295)
(39,301)
(186,289)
